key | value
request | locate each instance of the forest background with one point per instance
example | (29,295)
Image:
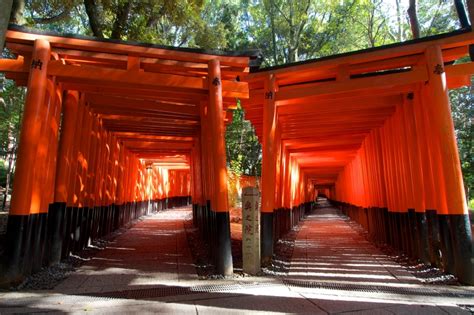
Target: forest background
(284,30)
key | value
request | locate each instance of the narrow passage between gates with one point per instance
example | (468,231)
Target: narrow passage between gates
(330,247)
(153,252)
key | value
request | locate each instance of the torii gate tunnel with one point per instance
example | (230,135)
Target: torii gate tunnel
(113,130)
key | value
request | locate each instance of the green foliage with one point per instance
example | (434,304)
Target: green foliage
(3,173)
(175,23)
(462,107)
(437,16)
(12,99)
(64,16)
(10,115)
(243,149)
(289,31)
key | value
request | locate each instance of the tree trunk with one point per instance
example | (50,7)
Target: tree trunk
(17,11)
(399,21)
(463,20)
(272,25)
(121,20)
(5,10)
(10,153)
(94,19)
(470,10)
(8,180)
(413,16)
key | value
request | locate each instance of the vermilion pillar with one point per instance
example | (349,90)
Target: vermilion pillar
(46,168)
(419,194)
(52,168)
(443,128)
(268,169)
(39,190)
(220,206)
(29,140)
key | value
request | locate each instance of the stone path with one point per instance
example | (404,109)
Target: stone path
(153,252)
(329,249)
(149,269)
(331,257)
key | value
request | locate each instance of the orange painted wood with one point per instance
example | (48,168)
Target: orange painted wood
(216,119)
(31,127)
(70,106)
(114,48)
(443,129)
(354,85)
(269,148)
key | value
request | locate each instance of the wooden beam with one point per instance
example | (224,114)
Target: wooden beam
(462,69)
(352,85)
(14,65)
(149,120)
(139,79)
(153,94)
(133,103)
(162,145)
(326,149)
(132,78)
(125,49)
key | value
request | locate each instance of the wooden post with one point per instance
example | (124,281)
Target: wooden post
(22,187)
(419,194)
(443,128)
(268,169)
(220,207)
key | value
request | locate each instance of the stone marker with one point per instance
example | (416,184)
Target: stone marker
(250,230)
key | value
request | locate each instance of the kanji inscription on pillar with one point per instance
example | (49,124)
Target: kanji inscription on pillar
(250,230)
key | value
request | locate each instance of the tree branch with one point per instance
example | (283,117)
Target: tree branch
(52,19)
(17,12)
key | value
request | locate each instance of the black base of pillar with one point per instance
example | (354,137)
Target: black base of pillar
(397,227)
(224,247)
(266,238)
(446,243)
(73,233)
(116,217)
(77,232)
(433,237)
(422,236)
(390,229)
(462,248)
(83,230)
(67,232)
(195,211)
(11,272)
(95,223)
(413,236)
(385,225)
(29,243)
(38,241)
(55,233)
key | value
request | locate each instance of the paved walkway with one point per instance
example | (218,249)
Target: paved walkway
(153,252)
(149,269)
(328,248)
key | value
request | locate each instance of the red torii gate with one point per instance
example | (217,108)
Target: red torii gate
(142,129)
(137,117)
(372,130)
